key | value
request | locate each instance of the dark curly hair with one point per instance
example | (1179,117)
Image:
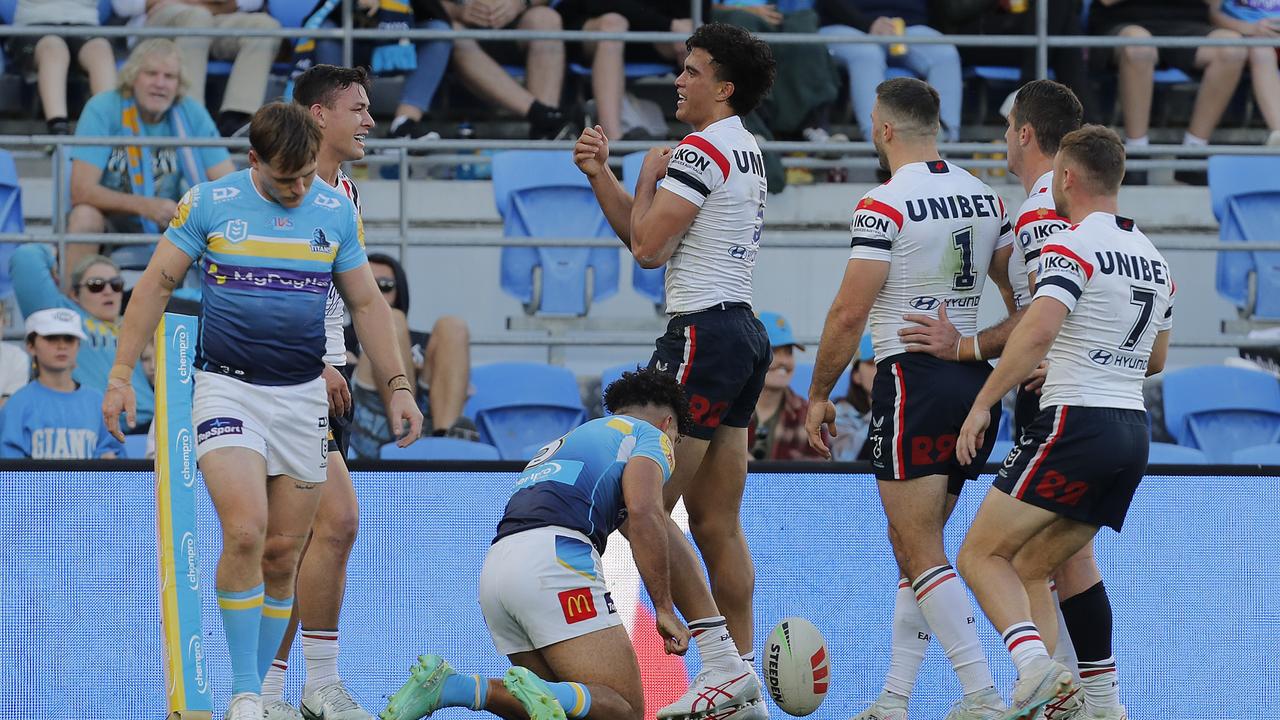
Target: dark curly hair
(647,386)
(740,58)
(320,84)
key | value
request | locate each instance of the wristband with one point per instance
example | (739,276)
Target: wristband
(977,349)
(959,340)
(399,382)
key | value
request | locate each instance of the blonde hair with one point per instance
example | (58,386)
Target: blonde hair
(141,52)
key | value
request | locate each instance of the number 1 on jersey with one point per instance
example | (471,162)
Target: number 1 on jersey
(965,279)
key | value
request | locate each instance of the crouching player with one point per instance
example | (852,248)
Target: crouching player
(542,591)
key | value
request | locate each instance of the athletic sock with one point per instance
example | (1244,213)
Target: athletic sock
(574,697)
(273,683)
(749,658)
(946,609)
(275,622)
(910,641)
(1025,645)
(320,651)
(715,645)
(468,691)
(1065,651)
(1088,618)
(241,612)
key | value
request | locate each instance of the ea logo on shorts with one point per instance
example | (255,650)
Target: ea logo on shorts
(1100,356)
(924,302)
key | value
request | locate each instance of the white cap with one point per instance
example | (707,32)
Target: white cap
(55,321)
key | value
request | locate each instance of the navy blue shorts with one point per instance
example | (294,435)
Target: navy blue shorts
(339,427)
(720,356)
(1083,463)
(1026,408)
(918,404)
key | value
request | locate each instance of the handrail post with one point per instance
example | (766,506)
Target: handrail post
(403,187)
(1042,39)
(695,13)
(59,213)
(348,43)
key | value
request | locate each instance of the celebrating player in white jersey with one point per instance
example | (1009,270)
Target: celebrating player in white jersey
(270,241)
(704,223)
(338,99)
(921,242)
(1102,312)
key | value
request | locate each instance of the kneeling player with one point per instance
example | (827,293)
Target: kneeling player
(542,590)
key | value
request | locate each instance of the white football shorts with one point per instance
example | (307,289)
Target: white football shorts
(542,586)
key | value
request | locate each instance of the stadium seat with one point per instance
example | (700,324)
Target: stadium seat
(439,448)
(542,194)
(1245,191)
(648,282)
(1220,409)
(1257,455)
(290,14)
(1004,431)
(803,375)
(522,405)
(1000,451)
(630,71)
(7,9)
(1170,454)
(135,447)
(10,215)
(609,374)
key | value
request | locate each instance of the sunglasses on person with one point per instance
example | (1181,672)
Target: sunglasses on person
(386,285)
(97,285)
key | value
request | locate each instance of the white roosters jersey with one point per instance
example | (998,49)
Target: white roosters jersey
(1118,290)
(937,226)
(721,170)
(1037,219)
(335,312)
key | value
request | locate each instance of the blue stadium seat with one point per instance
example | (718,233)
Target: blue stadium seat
(1000,451)
(290,13)
(609,374)
(439,448)
(803,375)
(542,194)
(630,71)
(10,215)
(7,9)
(135,446)
(1245,191)
(1004,431)
(648,282)
(522,405)
(1220,409)
(1170,454)
(1257,455)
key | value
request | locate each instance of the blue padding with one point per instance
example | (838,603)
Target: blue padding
(1170,454)
(439,448)
(1258,455)
(804,375)
(631,71)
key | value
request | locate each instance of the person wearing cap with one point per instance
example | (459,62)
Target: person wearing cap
(96,294)
(54,417)
(777,425)
(853,411)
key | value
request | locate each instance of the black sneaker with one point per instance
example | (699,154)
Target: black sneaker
(233,124)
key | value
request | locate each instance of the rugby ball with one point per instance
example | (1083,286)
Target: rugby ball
(796,666)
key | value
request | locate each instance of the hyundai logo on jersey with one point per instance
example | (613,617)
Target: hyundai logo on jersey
(924,302)
(1100,356)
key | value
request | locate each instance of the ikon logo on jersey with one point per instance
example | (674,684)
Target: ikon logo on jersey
(1054,261)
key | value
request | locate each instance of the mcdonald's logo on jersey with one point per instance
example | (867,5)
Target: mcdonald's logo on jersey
(577,604)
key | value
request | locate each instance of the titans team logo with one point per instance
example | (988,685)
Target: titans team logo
(237,231)
(184,211)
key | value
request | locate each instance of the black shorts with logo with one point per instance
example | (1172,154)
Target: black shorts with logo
(720,356)
(918,404)
(339,434)
(1083,463)
(1026,408)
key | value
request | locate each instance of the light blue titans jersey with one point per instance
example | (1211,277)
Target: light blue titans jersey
(576,481)
(267,271)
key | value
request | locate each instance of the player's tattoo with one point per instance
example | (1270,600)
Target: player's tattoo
(168,281)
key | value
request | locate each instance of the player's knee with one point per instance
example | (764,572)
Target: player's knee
(612,22)
(1137,54)
(52,47)
(85,218)
(1031,568)
(540,18)
(339,528)
(709,529)
(244,539)
(968,560)
(1230,55)
(280,557)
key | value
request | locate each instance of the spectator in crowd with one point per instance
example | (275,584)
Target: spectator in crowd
(806,83)
(252,56)
(423,62)
(96,294)
(853,411)
(1219,67)
(15,366)
(608,58)
(49,56)
(866,63)
(54,417)
(1254,18)
(440,361)
(136,189)
(776,431)
(1018,17)
(479,64)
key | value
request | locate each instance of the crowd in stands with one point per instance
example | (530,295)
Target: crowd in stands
(158,88)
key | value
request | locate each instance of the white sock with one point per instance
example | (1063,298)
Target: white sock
(1143,141)
(320,650)
(749,658)
(1189,139)
(1101,684)
(715,645)
(910,641)
(273,683)
(1065,652)
(1025,645)
(946,608)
